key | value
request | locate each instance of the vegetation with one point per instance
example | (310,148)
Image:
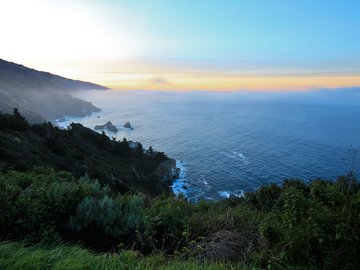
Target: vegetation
(81,151)
(14,256)
(295,225)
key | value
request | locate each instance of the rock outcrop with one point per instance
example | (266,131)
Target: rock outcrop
(167,171)
(133,145)
(127,125)
(108,126)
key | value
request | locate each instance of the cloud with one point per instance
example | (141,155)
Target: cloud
(160,80)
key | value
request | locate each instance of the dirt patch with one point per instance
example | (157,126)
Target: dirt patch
(225,246)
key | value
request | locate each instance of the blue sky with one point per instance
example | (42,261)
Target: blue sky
(228,38)
(286,29)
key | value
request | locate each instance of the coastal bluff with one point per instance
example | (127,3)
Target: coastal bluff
(82,151)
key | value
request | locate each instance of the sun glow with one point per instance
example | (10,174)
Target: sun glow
(49,32)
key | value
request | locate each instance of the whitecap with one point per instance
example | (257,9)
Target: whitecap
(238,154)
(235,155)
(224,194)
(182,186)
(227,194)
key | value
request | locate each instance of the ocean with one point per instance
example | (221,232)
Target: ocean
(230,143)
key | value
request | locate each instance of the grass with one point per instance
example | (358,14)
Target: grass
(16,256)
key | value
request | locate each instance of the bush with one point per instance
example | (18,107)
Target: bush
(312,225)
(166,224)
(37,203)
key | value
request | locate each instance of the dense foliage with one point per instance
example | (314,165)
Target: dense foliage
(297,224)
(80,151)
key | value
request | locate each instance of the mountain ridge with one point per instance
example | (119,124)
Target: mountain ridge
(51,77)
(42,96)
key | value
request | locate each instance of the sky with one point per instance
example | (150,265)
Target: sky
(187,45)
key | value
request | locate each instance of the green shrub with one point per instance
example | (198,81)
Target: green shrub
(310,225)
(166,224)
(106,222)
(37,203)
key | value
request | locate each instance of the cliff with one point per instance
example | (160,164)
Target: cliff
(167,171)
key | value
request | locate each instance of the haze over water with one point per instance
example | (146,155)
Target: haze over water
(229,143)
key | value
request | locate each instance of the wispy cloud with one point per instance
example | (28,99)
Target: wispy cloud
(160,80)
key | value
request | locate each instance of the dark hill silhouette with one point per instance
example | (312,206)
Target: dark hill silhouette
(41,95)
(82,151)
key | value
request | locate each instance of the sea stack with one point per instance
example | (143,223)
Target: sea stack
(127,125)
(108,126)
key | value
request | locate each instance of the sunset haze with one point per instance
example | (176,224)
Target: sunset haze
(188,45)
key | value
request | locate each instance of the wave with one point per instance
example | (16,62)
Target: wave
(228,194)
(182,185)
(239,155)
(179,186)
(235,155)
(206,184)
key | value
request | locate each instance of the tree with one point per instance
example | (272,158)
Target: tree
(139,151)
(150,152)
(19,122)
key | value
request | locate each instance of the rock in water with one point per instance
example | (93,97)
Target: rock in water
(127,125)
(108,126)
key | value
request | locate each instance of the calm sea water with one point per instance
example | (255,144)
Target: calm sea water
(230,143)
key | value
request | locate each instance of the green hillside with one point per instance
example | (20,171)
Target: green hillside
(82,151)
(94,204)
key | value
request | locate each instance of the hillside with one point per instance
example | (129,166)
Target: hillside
(81,151)
(41,95)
